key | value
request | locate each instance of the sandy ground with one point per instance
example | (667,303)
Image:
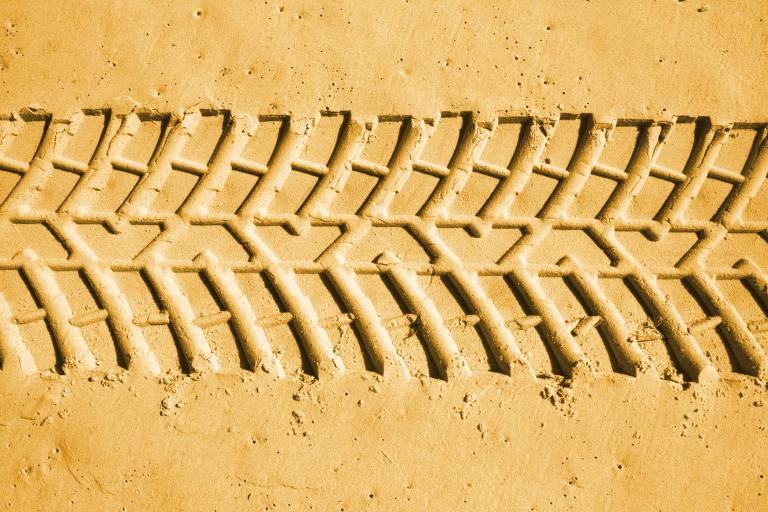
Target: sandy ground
(561,381)
(229,442)
(637,59)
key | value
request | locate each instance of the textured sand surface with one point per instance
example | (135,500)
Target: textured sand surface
(331,256)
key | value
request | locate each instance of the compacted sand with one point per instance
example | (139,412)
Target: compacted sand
(390,256)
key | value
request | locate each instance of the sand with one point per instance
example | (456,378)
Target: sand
(338,256)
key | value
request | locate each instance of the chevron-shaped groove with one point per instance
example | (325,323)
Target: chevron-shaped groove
(339,262)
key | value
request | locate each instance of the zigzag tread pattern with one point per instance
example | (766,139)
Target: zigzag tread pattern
(212,240)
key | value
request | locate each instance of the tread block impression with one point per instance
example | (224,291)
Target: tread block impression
(220,241)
